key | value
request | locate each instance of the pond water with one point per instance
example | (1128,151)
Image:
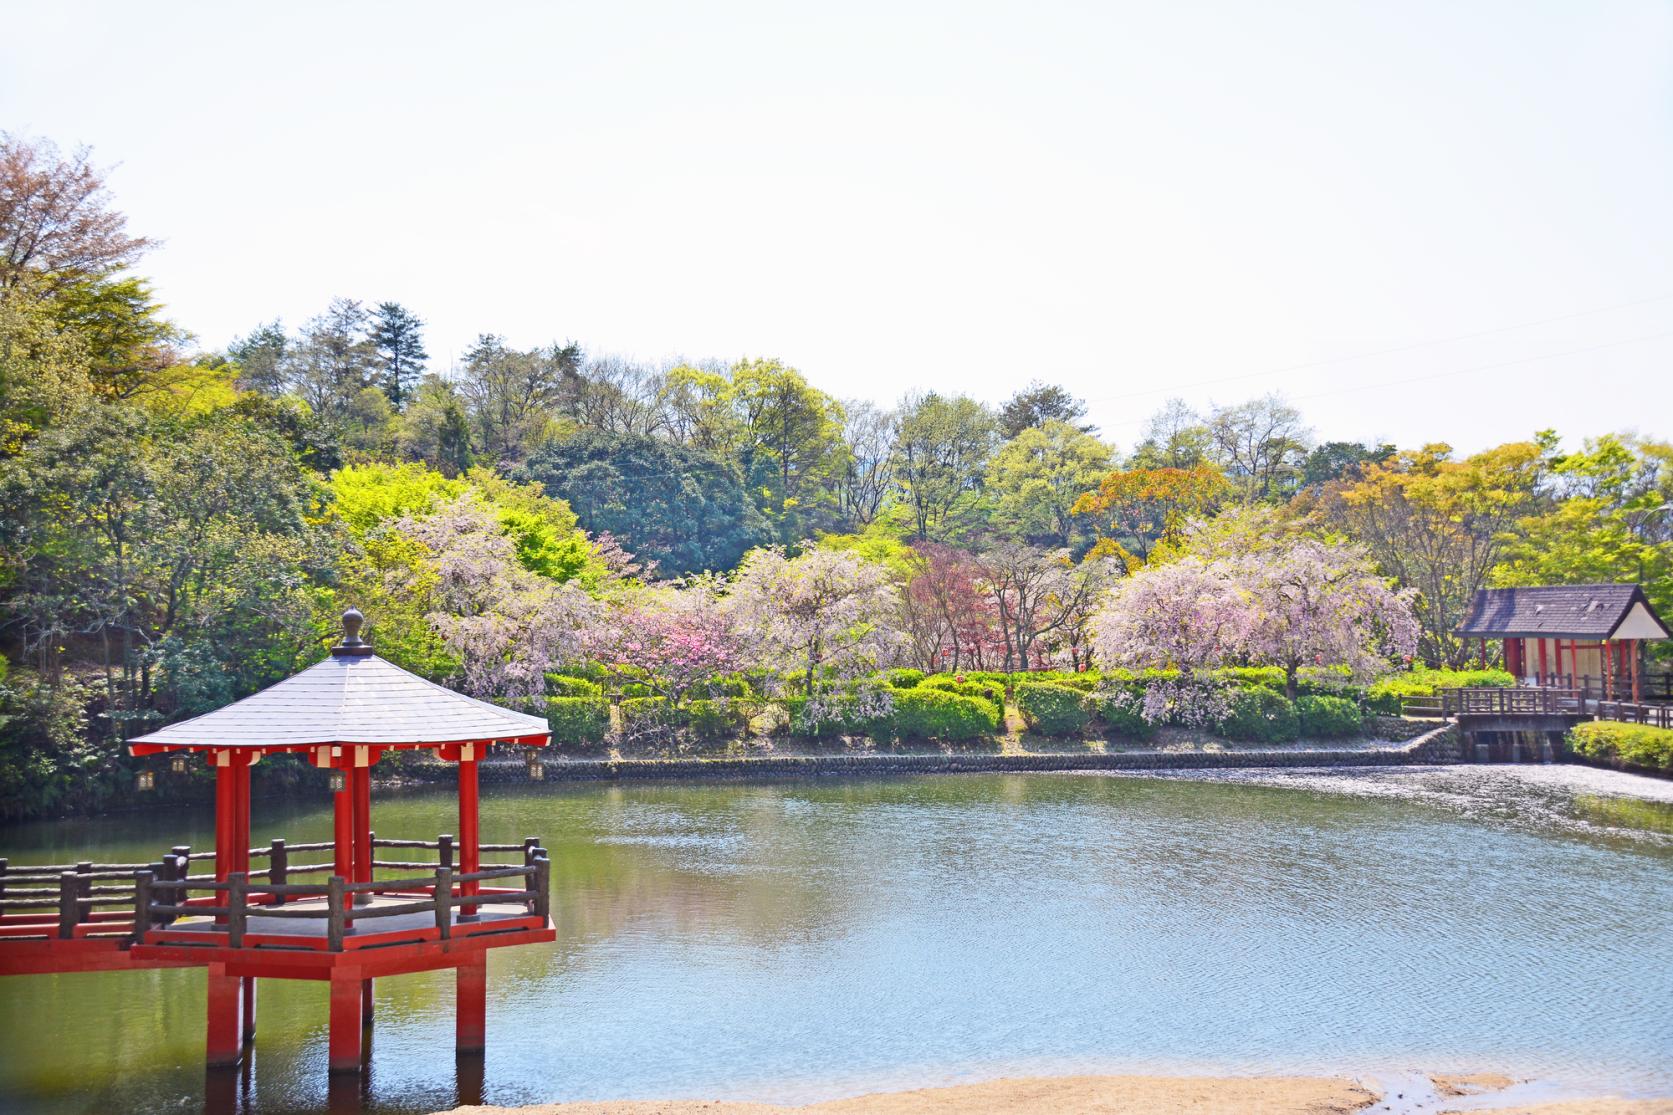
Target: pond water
(795,941)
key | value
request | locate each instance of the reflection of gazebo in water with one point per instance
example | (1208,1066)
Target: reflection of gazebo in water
(344,713)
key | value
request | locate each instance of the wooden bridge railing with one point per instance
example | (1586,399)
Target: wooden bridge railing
(1575,703)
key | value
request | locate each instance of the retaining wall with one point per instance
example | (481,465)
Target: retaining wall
(1437,746)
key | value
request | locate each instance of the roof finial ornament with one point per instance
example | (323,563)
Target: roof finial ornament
(352,646)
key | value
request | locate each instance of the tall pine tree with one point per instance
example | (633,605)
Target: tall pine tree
(398,338)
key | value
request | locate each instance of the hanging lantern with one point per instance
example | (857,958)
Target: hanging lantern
(339,781)
(537,770)
(177,764)
(145,780)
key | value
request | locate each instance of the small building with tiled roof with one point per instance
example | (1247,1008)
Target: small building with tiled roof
(1578,635)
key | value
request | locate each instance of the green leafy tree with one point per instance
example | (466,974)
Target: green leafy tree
(1610,518)
(941,454)
(677,506)
(1036,478)
(792,442)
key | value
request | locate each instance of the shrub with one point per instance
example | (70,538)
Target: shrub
(1259,715)
(578,722)
(730,685)
(1327,717)
(904,678)
(933,713)
(651,714)
(831,715)
(1053,710)
(1384,695)
(972,686)
(1083,680)
(718,719)
(1121,708)
(564,685)
(1633,745)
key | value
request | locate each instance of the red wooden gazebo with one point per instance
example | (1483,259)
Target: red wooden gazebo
(344,713)
(1586,637)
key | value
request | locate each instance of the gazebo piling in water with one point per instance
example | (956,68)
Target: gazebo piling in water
(345,713)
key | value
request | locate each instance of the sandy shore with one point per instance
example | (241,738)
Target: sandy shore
(1101,1095)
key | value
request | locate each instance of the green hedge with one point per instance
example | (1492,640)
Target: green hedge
(1121,710)
(1310,681)
(1632,745)
(1259,715)
(1328,717)
(725,718)
(1384,695)
(978,686)
(578,722)
(651,714)
(937,714)
(903,678)
(1053,710)
(1083,680)
(560,685)
(836,715)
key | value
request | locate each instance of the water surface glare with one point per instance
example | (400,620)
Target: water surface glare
(794,941)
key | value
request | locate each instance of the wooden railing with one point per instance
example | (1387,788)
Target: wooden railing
(1575,703)
(338,918)
(101,900)
(1657,716)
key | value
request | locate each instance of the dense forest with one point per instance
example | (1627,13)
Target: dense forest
(180,526)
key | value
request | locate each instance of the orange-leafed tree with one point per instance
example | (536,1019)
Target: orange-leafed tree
(1137,510)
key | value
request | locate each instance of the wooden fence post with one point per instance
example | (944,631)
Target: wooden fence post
(237,884)
(278,868)
(69,887)
(84,891)
(542,885)
(142,904)
(444,850)
(334,927)
(443,897)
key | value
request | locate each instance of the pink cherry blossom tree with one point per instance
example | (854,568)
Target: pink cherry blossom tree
(671,638)
(1298,603)
(1313,603)
(821,608)
(507,625)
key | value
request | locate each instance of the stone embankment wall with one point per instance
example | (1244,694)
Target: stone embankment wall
(1441,745)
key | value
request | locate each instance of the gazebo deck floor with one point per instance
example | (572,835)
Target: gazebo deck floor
(266,932)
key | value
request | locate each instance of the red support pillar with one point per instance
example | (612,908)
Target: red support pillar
(226,812)
(1632,652)
(1542,668)
(1483,654)
(224,1042)
(248,1030)
(471,1004)
(347,1039)
(241,822)
(342,860)
(470,852)
(360,778)
(1607,657)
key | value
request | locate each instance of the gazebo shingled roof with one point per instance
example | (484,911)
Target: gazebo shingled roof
(1553,611)
(349,699)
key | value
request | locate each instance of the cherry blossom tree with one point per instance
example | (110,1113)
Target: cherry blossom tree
(1298,603)
(946,612)
(507,625)
(1315,603)
(823,608)
(671,638)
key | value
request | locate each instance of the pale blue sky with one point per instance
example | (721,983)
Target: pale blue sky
(1133,200)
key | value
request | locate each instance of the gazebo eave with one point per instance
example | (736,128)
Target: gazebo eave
(533,739)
